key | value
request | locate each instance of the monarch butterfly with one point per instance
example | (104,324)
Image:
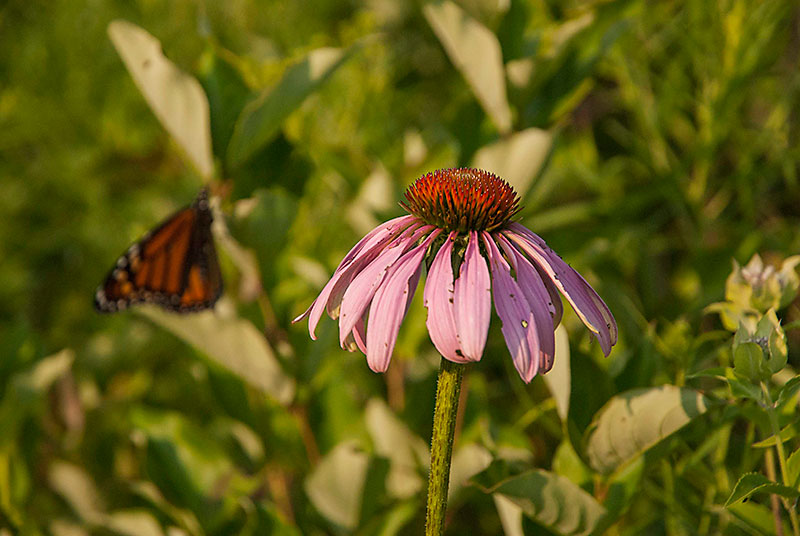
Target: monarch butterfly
(175,266)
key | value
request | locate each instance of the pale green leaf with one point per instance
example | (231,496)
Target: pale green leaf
(177,99)
(553,501)
(77,489)
(510,515)
(132,523)
(793,468)
(559,379)
(475,51)
(393,440)
(631,423)
(336,485)
(517,158)
(261,118)
(232,342)
(752,483)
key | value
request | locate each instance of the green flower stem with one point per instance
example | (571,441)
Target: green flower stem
(444,426)
(776,431)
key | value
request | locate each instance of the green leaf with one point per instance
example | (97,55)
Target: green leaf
(751,483)
(743,387)
(475,52)
(788,391)
(261,118)
(177,99)
(78,490)
(336,485)
(793,468)
(227,96)
(757,517)
(551,500)
(516,158)
(748,359)
(788,432)
(633,422)
(393,440)
(232,342)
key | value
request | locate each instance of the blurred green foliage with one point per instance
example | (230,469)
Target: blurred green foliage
(652,142)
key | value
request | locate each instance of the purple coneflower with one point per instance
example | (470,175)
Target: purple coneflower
(460,222)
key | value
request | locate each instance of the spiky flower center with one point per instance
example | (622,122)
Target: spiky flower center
(462,199)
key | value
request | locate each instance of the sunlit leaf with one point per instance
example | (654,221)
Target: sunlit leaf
(551,500)
(559,379)
(132,523)
(788,432)
(793,468)
(336,486)
(393,440)
(510,515)
(788,391)
(177,99)
(517,158)
(261,118)
(232,342)
(631,423)
(475,51)
(78,490)
(751,483)
(468,460)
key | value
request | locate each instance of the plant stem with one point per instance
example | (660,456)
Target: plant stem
(776,431)
(444,425)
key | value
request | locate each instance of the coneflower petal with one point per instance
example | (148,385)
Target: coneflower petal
(361,291)
(358,256)
(473,301)
(536,294)
(438,298)
(589,307)
(390,305)
(515,313)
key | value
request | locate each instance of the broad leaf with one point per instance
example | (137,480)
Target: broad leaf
(551,500)
(559,379)
(336,486)
(475,51)
(517,158)
(232,342)
(751,483)
(631,423)
(177,99)
(393,440)
(261,118)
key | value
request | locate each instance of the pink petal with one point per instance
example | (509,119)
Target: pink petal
(536,294)
(587,304)
(390,305)
(438,298)
(361,254)
(514,311)
(473,301)
(357,338)
(361,291)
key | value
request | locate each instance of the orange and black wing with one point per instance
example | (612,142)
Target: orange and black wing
(174,266)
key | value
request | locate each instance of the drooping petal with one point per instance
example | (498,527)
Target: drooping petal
(361,254)
(390,305)
(536,294)
(473,301)
(438,298)
(357,339)
(515,313)
(557,310)
(589,307)
(361,291)
(369,250)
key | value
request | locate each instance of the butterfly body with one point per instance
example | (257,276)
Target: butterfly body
(174,266)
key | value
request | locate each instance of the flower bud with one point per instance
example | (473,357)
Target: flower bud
(759,348)
(762,287)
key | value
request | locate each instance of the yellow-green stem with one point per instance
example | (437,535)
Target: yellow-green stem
(776,431)
(444,426)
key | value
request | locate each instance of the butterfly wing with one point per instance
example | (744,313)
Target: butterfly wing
(174,266)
